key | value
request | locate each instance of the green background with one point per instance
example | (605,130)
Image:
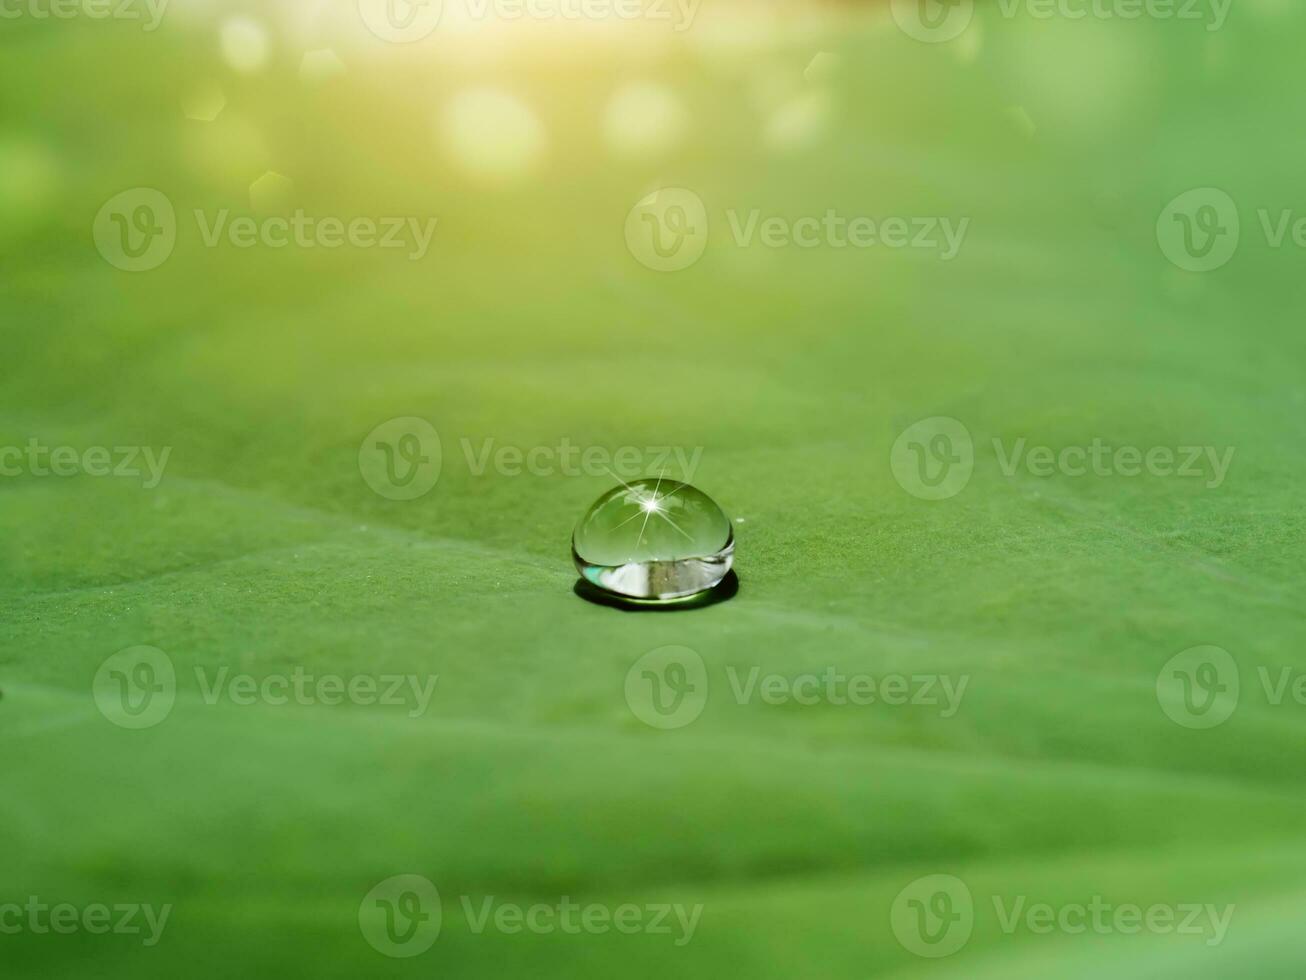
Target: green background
(530,778)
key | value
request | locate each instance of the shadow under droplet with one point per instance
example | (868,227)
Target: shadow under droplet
(724,590)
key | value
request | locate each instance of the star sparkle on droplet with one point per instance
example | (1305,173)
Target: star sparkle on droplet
(648,506)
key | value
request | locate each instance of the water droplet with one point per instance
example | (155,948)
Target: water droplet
(654,539)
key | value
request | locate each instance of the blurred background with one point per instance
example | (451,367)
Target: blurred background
(244,245)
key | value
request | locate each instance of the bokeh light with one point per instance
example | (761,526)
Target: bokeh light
(491,136)
(245,44)
(644,119)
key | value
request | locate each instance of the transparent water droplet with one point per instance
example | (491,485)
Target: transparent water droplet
(654,539)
